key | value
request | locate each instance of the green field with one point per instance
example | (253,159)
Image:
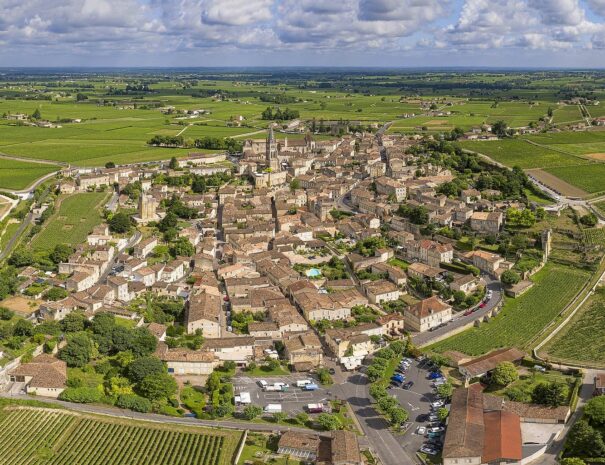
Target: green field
(581,340)
(590,178)
(18,175)
(44,437)
(518,152)
(77,215)
(523,318)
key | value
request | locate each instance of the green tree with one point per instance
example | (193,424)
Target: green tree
(500,128)
(445,390)
(159,386)
(302,418)
(442,413)
(252,411)
(36,114)
(279,417)
(573,461)
(120,223)
(103,323)
(174,163)
(145,367)
(21,257)
(510,278)
(6,314)
(398,416)
(595,410)
(584,441)
(329,422)
(73,322)
(110,165)
(182,248)
(143,342)
(78,350)
(23,328)
(60,253)
(552,394)
(55,293)
(504,374)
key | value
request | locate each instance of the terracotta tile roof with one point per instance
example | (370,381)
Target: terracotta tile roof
(345,448)
(428,307)
(488,362)
(299,441)
(527,412)
(46,372)
(502,437)
(465,431)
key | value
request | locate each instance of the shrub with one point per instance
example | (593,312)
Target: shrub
(81,395)
(134,402)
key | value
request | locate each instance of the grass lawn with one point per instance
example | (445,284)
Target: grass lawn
(398,262)
(523,318)
(262,448)
(527,383)
(264,371)
(90,377)
(581,340)
(19,174)
(77,215)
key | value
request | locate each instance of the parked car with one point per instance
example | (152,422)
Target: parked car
(435,375)
(482,305)
(332,371)
(428,450)
(421,430)
(408,385)
(437,404)
(468,312)
(438,429)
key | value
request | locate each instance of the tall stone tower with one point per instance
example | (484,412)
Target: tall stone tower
(271,151)
(147,207)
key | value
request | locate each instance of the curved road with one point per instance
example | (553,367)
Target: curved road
(426,338)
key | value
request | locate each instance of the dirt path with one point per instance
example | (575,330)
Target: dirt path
(557,184)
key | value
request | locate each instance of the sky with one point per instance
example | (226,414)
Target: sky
(377,33)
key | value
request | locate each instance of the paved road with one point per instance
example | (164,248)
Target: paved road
(136,237)
(11,243)
(423,339)
(354,388)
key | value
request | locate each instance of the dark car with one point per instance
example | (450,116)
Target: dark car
(332,371)
(408,385)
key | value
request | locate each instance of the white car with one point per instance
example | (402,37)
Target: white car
(421,430)
(436,429)
(437,404)
(428,450)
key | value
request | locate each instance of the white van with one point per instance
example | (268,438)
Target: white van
(262,383)
(303,382)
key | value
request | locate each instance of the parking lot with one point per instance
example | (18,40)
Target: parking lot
(293,401)
(417,401)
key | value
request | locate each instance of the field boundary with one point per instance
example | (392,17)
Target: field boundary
(569,317)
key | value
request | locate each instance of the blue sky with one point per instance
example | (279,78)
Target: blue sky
(399,33)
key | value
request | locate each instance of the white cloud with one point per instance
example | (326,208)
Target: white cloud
(393,27)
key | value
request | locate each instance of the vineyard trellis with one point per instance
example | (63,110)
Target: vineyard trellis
(30,436)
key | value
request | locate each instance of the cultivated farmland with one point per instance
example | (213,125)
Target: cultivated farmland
(46,437)
(518,152)
(582,338)
(18,175)
(590,178)
(523,318)
(76,216)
